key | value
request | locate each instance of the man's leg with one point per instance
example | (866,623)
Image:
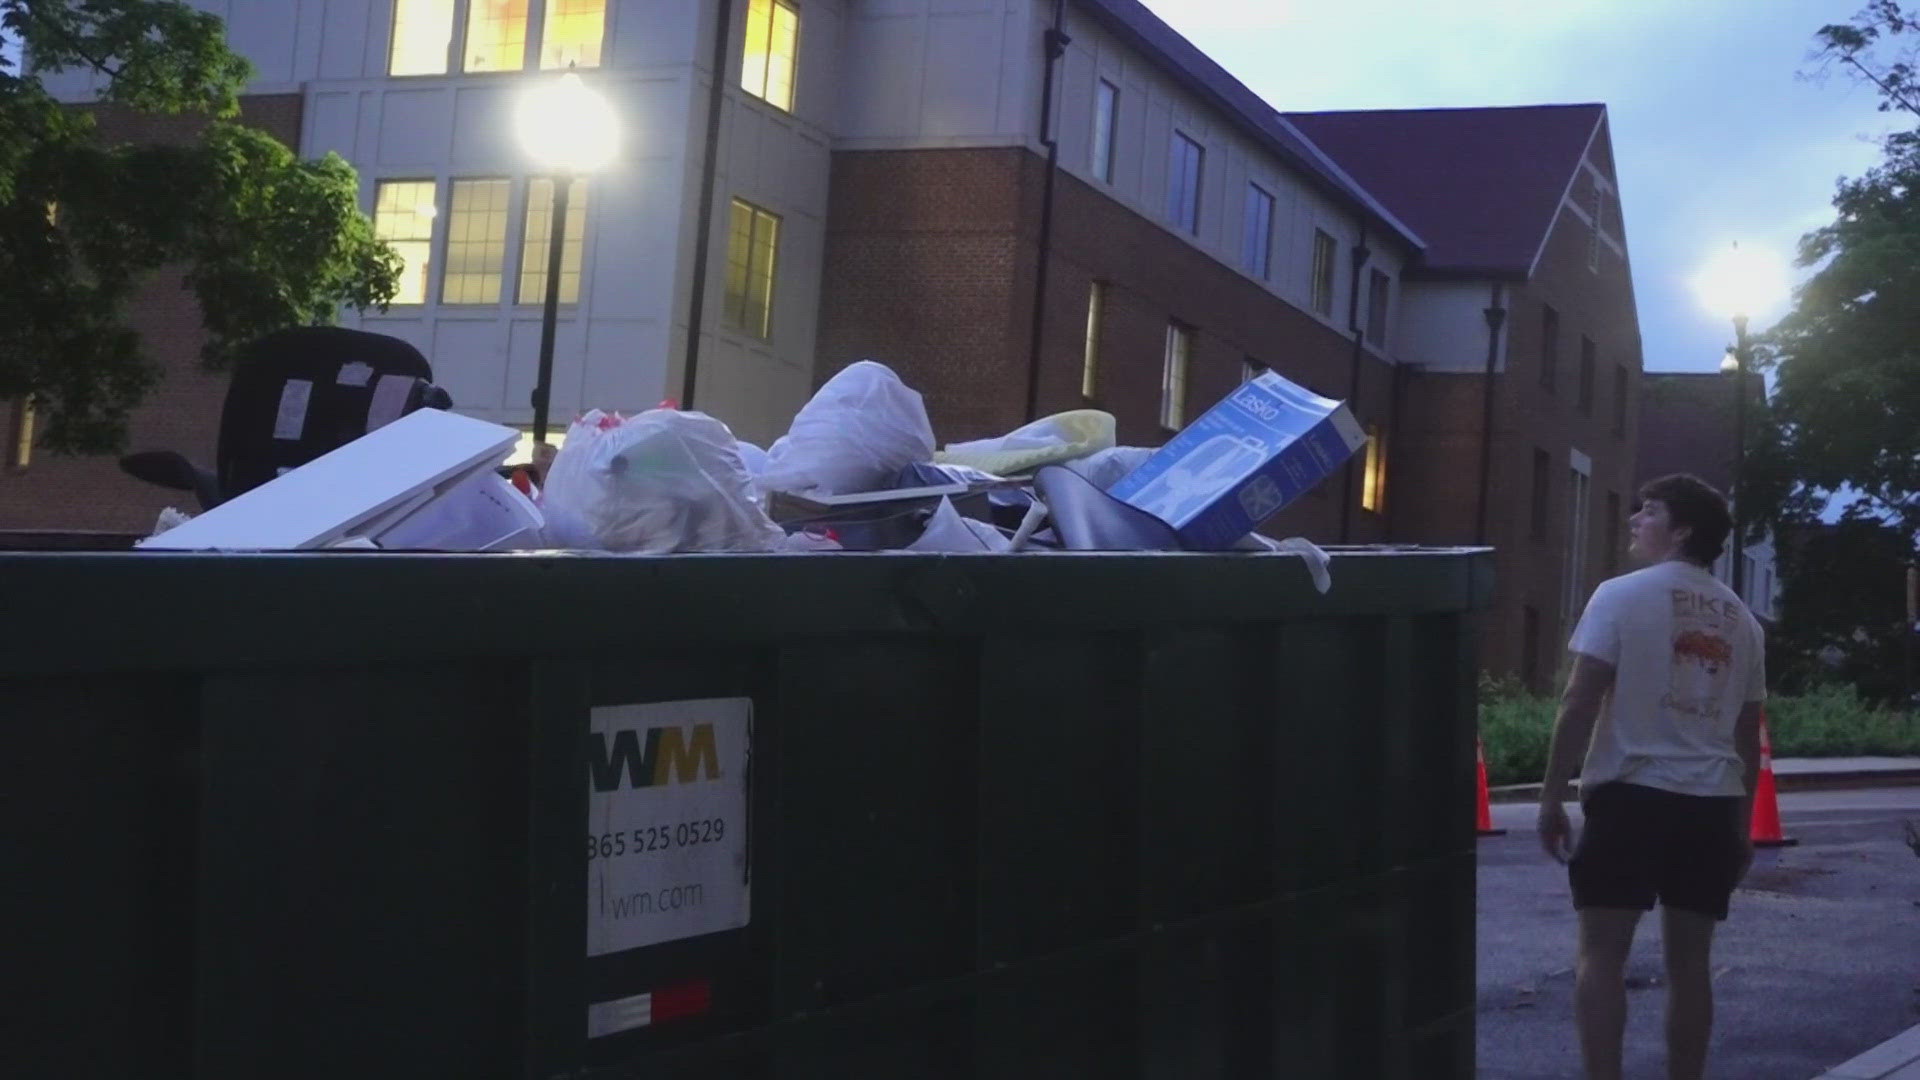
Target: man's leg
(1688,937)
(1600,987)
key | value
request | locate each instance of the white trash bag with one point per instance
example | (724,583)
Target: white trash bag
(655,483)
(857,433)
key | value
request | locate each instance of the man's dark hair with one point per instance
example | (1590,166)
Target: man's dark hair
(1693,503)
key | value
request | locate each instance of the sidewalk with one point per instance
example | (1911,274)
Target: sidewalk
(1791,774)
(1896,1059)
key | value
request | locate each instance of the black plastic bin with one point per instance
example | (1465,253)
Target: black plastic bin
(1053,816)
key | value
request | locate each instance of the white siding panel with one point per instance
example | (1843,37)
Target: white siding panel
(470,361)
(1443,325)
(880,95)
(627,365)
(264,34)
(483,126)
(332,119)
(415,127)
(569,367)
(958,99)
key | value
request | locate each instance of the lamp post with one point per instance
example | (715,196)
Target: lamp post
(1736,283)
(568,128)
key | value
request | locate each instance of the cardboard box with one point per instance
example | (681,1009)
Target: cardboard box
(1264,446)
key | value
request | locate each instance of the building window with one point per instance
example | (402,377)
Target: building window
(1106,116)
(1579,523)
(1373,487)
(572,33)
(1256,246)
(1090,351)
(1183,183)
(476,242)
(403,213)
(496,36)
(536,234)
(1323,254)
(1379,292)
(1173,377)
(1530,646)
(1613,533)
(1549,346)
(753,247)
(422,37)
(1588,361)
(767,64)
(1542,483)
(20,442)
(1620,399)
(1251,369)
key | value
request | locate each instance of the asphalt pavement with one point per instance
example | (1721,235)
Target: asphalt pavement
(1819,961)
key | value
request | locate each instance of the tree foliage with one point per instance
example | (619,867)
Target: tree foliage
(264,240)
(1845,416)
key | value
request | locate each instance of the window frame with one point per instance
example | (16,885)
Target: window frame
(1379,303)
(447,239)
(1589,369)
(1256,244)
(577,199)
(1090,347)
(1105,115)
(1180,149)
(757,214)
(431,241)
(1323,272)
(1549,347)
(766,70)
(1176,367)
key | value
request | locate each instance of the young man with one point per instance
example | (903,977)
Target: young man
(1664,702)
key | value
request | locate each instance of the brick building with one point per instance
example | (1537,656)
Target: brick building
(1023,207)
(1522,343)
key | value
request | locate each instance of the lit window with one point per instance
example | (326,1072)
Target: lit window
(1256,247)
(1322,272)
(476,242)
(496,36)
(1183,183)
(422,34)
(572,33)
(1090,355)
(1106,111)
(1373,488)
(767,65)
(1173,377)
(20,446)
(1379,295)
(753,246)
(537,235)
(403,216)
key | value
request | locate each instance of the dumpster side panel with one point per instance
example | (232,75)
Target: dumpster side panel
(99,778)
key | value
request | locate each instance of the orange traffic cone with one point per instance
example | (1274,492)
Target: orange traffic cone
(1484,810)
(1766,799)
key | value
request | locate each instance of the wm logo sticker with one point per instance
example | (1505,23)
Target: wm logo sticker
(667,755)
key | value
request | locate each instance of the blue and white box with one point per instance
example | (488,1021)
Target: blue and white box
(1264,446)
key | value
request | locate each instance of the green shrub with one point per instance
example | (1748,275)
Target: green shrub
(1516,728)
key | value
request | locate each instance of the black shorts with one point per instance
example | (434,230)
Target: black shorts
(1641,844)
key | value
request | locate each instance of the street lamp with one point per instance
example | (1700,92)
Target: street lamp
(1738,283)
(568,128)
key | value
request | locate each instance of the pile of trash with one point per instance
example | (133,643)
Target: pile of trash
(858,470)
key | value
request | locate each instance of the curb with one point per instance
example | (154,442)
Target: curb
(1812,781)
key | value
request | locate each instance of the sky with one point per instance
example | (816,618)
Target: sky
(1722,131)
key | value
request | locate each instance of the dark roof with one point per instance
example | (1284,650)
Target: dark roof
(1202,75)
(1482,186)
(1686,425)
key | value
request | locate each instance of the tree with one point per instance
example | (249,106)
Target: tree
(1844,422)
(266,240)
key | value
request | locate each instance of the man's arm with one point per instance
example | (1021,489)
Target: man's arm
(1579,708)
(1746,739)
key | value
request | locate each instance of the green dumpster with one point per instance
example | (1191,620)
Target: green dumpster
(322,815)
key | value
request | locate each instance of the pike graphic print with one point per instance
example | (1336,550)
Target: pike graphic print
(1703,631)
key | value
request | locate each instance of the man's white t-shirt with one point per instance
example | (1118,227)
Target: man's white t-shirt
(1686,655)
